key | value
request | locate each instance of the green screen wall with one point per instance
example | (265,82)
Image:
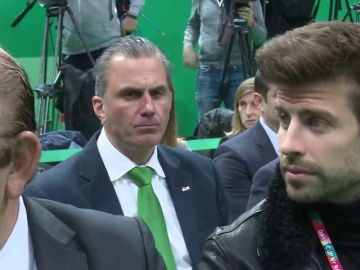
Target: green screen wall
(162,21)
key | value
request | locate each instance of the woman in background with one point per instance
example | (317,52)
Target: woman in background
(247,108)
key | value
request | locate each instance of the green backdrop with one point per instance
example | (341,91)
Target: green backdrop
(163,21)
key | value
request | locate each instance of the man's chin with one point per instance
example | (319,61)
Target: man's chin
(148,140)
(299,194)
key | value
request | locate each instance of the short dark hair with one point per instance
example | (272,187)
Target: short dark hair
(16,104)
(317,52)
(260,85)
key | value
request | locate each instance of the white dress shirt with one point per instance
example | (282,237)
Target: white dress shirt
(117,165)
(272,135)
(17,253)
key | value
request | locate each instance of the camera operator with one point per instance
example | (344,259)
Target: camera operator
(99,26)
(208,26)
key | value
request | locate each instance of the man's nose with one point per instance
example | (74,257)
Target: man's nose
(291,140)
(148,105)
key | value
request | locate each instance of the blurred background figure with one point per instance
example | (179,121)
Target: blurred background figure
(247,108)
(284,15)
(98,31)
(239,158)
(210,26)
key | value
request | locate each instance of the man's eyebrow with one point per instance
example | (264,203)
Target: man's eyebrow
(158,87)
(319,112)
(131,88)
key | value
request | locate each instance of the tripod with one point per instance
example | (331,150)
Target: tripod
(334,7)
(239,28)
(48,87)
(355,8)
(46,92)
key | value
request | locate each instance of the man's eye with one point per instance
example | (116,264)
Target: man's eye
(132,95)
(317,123)
(156,94)
(284,119)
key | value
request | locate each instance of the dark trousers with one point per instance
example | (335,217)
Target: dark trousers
(81,61)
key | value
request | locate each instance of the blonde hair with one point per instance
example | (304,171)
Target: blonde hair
(246,88)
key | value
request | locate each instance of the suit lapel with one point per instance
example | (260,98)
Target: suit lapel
(262,141)
(180,186)
(97,187)
(53,242)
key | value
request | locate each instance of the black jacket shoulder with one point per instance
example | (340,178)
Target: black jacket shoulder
(234,246)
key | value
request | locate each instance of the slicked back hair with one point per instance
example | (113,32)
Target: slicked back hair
(136,47)
(129,47)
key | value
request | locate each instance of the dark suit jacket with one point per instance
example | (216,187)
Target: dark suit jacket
(237,161)
(261,182)
(65,237)
(82,181)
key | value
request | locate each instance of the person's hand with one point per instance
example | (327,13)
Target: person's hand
(128,25)
(246,13)
(190,57)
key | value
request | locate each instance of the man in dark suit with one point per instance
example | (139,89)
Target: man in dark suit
(238,159)
(134,99)
(51,235)
(261,182)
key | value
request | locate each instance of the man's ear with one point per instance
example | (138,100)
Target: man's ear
(258,98)
(23,164)
(98,106)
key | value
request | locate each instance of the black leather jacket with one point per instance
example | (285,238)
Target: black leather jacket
(276,234)
(234,246)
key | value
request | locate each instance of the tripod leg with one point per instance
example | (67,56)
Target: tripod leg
(246,54)
(76,26)
(331,10)
(43,77)
(348,11)
(226,64)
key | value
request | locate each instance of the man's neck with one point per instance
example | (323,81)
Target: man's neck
(8,218)
(274,126)
(138,156)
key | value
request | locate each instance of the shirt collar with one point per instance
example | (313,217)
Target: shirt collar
(271,134)
(117,164)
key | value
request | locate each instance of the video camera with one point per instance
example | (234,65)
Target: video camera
(232,7)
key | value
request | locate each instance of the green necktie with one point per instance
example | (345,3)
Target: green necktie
(149,209)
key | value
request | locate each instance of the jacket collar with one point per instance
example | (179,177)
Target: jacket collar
(97,187)
(286,237)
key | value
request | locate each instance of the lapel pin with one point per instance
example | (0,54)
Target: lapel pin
(184,189)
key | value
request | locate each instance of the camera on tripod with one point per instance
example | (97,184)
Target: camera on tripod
(233,9)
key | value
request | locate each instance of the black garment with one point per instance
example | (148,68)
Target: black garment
(284,15)
(76,101)
(343,226)
(81,61)
(214,124)
(277,234)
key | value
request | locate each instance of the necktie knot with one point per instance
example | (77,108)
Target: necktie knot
(141,175)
